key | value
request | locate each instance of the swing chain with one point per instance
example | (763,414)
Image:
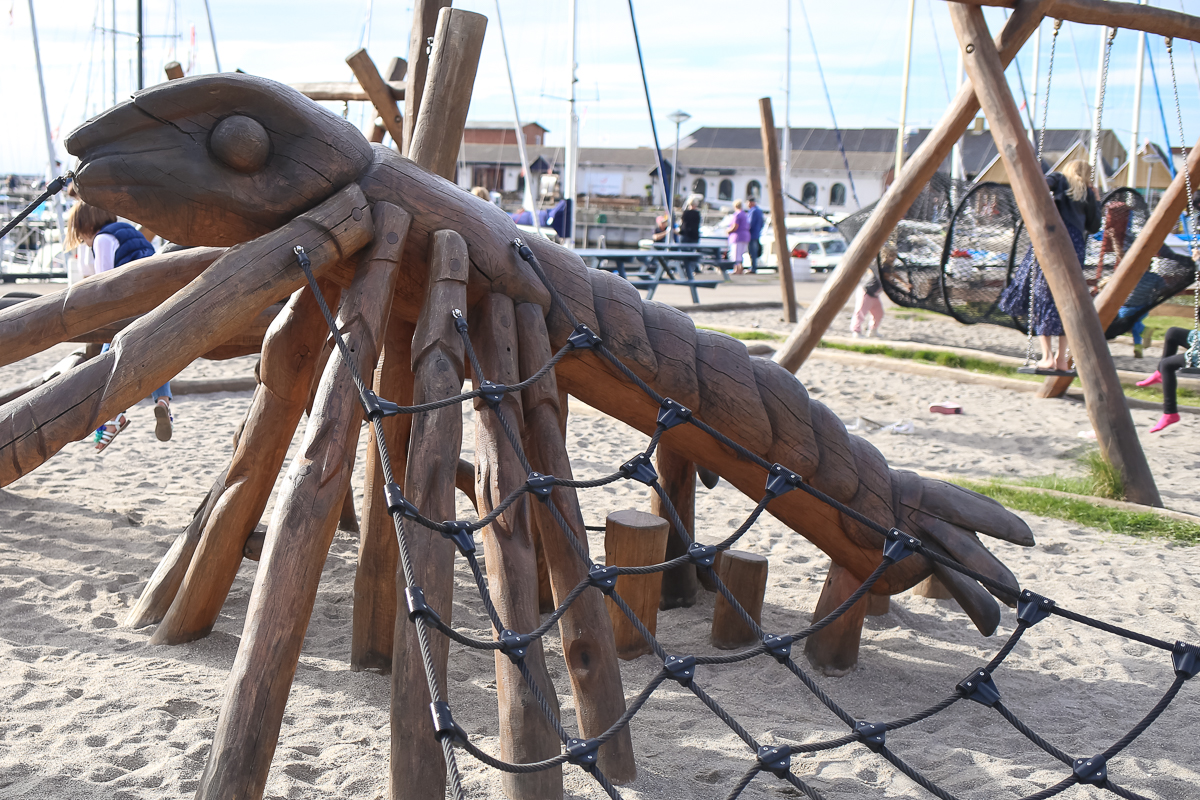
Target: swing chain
(1098,153)
(1192,355)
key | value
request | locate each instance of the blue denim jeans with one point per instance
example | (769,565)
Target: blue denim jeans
(1125,312)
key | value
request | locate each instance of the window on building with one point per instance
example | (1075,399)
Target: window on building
(809,195)
(725,190)
(700,187)
(754,189)
(837,195)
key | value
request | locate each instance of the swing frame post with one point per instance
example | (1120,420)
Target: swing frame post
(1107,410)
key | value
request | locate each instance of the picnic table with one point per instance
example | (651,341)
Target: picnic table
(649,269)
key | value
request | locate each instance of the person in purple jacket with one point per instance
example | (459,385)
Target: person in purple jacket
(739,237)
(756,225)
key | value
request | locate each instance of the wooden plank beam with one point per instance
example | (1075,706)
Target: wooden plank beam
(1157,21)
(783,254)
(345,90)
(1106,406)
(899,197)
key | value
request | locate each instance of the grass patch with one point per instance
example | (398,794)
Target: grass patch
(1144,524)
(746,335)
(1100,479)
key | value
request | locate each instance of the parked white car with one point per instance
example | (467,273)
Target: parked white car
(823,250)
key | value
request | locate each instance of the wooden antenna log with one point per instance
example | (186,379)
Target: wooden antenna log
(425,18)
(288,364)
(635,539)
(1138,257)
(525,733)
(174,70)
(899,197)
(677,476)
(1106,405)
(378,91)
(834,649)
(745,575)
(453,62)
(299,535)
(371,642)
(783,253)
(587,640)
(417,766)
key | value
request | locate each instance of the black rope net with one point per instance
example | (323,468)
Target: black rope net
(769,760)
(959,246)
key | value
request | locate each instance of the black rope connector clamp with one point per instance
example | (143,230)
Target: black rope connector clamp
(582,752)
(781,480)
(493,393)
(780,647)
(396,501)
(1033,608)
(302,256)
(639,469)
(541,485)
(376,408)
(1186,659)
(460,322)
(1092,770)
(702,555)
(603,578)
(584,338)
(872,734)
(461,534)
(672,414)
(522,249)
(978,686)
(514,645)
(899,545)
(681,668)
(776,760)
(414,597)
(444,726)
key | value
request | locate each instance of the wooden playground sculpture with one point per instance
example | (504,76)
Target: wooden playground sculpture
(243,163)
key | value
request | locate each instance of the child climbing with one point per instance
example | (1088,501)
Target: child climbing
(1173,361)
(869,303)
(112,244)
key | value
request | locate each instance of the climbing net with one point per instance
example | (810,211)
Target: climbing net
(978,686)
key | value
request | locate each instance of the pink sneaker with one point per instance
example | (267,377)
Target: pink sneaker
(1153,379)
(1164,421)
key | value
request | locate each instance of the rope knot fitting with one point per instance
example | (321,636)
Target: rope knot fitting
(776,760)
(461,534)
(780,647)
(672,414)
(639,469)
(1092,770)
(899,545)
(872,734)
(444,726)
(681,668)
(396,501)
(583,338)
(1186,659)
(582,752)
(603,578)
(702,555)
(541,485)
(376,408)
(781,480)
(514,645)
(414,597)
(1033,608)
(978,686)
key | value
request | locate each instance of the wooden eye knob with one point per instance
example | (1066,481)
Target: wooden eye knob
(241,143)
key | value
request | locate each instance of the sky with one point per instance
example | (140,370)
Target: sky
(710,59)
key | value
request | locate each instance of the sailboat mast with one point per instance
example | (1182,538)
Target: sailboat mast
(141,75)
(212,35)
(530,198)
(572,163)
(1131,177)
(785,169)
(1097,110)
(37,57)
(912,10)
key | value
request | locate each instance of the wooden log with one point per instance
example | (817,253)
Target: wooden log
(1102,390)
(635,539)
(298,537)
(745,575)
(33,325)
(878,604)
(343,91)
(289,362)
(834,649)
(899,197)
(372,636)
(238,286)
(1132,16)
(525,734)
(783,253)
(348,519)
(457,43)
(677,476)
(77,357)
(378,91)
(587,639)
(425,18)
(417,767)
(1137,258)
(174,70)
(932,588)
(464,481)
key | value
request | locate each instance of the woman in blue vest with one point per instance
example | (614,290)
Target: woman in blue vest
(113,244)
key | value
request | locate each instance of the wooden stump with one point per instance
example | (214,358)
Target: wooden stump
(635,539)
(878,604)
(834,649)
(677,476)
(932,588)
(745,575)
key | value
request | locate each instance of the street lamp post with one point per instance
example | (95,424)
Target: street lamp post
(678,117)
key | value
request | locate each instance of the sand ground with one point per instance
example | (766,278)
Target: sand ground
(88,710)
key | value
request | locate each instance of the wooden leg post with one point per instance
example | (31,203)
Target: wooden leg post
(375,578)
(834,649)
(677,476)
(745,575)
(1102,390)
(635,539)
(932,588)
(586,632)
(417,769)
(299,536)
(878,604)
(525,734)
